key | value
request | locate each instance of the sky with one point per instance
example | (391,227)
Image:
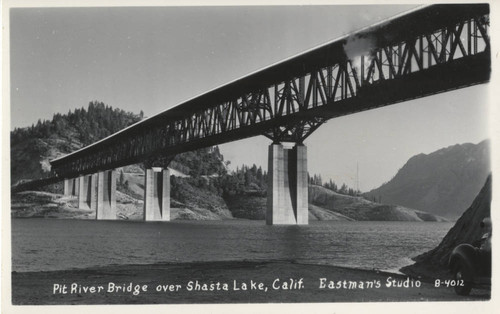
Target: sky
(152,58)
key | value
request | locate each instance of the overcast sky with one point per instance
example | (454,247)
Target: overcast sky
(153,58)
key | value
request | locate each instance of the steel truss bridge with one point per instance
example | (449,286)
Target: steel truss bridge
(427,51)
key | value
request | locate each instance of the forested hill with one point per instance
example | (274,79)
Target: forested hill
(85,125)
(32,147)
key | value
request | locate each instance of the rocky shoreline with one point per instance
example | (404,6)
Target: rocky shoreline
(324,205)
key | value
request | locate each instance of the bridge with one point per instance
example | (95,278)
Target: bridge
(430,50)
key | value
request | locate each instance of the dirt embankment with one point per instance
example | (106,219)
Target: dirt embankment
(38,204)
(327,202)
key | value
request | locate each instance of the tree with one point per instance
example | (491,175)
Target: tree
(260,177)
(122,178)
(343,189)
(331,185)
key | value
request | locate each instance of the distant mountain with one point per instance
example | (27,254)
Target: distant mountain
(443,183)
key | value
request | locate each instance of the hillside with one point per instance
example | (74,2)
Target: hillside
(443,183)
(32,147)
(324,201)
(325,204)
(466,230)
(39,204)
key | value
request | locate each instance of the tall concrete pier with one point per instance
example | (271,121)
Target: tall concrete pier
(106,195)
(157,194)
(287,194)
(87,192)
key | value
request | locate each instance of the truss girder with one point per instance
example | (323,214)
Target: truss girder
(441,58)
(296,131)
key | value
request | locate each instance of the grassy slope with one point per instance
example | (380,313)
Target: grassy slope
(358,208)
(325,204)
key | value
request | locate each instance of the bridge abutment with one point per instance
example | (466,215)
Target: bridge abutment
(157,194)
(106,195)
(287,196)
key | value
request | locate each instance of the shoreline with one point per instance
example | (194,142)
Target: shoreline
(225,282)
(208,263)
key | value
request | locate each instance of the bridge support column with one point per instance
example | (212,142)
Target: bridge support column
(87,195)
(157,194)
(106,195)
(71,186)
(287,194)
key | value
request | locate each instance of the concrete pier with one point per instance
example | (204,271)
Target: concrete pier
(87,195)
(157,194)
(106,195)
(287,194)
(301,184)
(71,187)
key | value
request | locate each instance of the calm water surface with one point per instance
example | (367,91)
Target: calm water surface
(45,244)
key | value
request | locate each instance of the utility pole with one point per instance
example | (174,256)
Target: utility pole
(357,176)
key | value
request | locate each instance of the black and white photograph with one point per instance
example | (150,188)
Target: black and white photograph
(322,155)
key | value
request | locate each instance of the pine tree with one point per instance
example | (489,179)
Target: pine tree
(343,189)
(122,178)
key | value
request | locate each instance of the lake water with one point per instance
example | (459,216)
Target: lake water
(46,244)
